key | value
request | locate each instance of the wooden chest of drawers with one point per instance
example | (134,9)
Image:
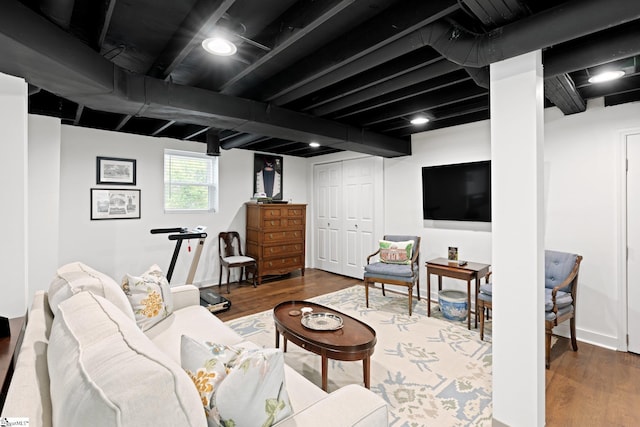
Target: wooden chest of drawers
(276,237)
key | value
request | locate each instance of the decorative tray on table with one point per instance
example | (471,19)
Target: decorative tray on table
(322,321)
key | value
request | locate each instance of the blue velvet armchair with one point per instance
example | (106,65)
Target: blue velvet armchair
(395,274)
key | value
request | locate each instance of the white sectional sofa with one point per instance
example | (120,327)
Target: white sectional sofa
(89,364)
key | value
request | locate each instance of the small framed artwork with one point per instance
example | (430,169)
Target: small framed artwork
(111,170)
(452,253)
(115,203)
(267,176)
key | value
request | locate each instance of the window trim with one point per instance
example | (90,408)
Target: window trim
(214,186)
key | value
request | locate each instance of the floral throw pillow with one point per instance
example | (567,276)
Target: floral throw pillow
(396,252)
(238,387)
(149,295)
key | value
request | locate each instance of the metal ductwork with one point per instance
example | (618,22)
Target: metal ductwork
(55,61)
(557,25)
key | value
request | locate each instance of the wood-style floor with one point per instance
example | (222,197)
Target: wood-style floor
(591,387)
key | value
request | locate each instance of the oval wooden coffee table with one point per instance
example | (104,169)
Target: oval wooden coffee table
(353,341)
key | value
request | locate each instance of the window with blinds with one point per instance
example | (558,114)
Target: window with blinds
(190,182)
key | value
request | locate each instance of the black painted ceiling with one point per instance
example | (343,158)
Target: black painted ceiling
(349,74)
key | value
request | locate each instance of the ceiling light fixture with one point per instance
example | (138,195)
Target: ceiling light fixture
(606,76)
(314,144)
(219,46)
(420,120)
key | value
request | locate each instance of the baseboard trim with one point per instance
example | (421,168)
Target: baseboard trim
(496,423)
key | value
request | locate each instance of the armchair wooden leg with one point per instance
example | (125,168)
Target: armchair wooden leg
(418,288)
(366,292)
(228,278)
(220,279)
(481,311)
(410,299)
(574,342)
(547,347)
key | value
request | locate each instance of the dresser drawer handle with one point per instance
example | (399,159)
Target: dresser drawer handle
(273,222)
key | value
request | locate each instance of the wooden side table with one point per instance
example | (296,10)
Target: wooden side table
(9,347)
(470,271)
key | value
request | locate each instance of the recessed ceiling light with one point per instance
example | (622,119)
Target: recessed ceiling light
(420,120)
(219,46)
(606,76)
(314,144)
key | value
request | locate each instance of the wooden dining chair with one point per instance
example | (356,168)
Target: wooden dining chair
(231,256)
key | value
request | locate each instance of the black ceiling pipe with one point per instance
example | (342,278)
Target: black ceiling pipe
(550,27)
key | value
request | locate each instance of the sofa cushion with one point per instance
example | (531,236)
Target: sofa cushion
(196,322)
(238,386)
(396,252)
(149,295)
(76,277)
(105,372)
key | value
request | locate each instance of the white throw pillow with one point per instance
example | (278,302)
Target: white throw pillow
(105,372)
(238,386)
(149,295)
(76,277)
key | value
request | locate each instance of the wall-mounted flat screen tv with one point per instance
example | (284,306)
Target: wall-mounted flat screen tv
(458,192)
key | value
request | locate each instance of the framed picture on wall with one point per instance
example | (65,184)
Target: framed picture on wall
(267,176)
(115,203)
(111,170)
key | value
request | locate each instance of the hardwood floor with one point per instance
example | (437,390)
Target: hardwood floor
(591,387)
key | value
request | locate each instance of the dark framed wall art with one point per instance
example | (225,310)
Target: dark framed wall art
(111,170)
(267,176)
(115,203)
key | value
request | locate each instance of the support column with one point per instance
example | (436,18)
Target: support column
(517,137)
(13,203)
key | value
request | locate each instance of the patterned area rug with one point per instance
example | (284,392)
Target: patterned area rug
(430,371)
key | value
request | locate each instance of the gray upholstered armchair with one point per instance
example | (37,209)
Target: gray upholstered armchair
(394,273)
(560,296)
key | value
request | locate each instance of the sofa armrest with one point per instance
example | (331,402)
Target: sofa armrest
(184,296)
(352,405)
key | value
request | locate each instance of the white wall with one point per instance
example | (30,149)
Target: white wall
(403,209)
(582,167)
(44,201)
(13,175)
(117,247)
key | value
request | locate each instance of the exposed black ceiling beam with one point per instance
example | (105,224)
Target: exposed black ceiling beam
(108,15)
(320,13)
(369,45)
(375,76)
(421,103)
(122,123)
(79,111)
(495,13)
(162,128)
(196,133)
(411,78)
(194,28)
(407,93)
(241,140)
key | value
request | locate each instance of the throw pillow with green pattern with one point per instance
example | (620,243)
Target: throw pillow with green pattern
(396,252)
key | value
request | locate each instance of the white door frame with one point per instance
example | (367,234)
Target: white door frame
(623,328)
